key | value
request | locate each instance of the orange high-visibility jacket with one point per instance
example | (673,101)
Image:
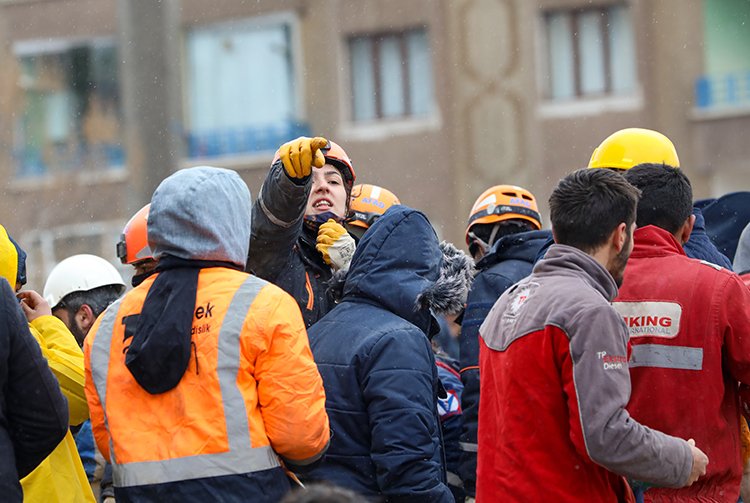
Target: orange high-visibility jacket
(251,391)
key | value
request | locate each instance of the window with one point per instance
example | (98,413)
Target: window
(590,52)
(726,83)
(242,93)
(69,115)
(391,75)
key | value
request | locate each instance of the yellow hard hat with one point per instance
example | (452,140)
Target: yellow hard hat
(633,146)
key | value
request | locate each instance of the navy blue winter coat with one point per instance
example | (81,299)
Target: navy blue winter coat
(700,245)
(510,260)
(726,217)
(449,409)
(378,368)
(33,411)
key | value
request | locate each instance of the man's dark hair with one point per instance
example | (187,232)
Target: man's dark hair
(666,195)
(98,299)
(588,205)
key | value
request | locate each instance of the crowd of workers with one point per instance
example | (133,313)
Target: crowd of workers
(303,348)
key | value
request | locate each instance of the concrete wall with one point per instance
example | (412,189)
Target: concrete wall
(490,124)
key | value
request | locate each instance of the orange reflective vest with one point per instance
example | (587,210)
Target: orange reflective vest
(251,389)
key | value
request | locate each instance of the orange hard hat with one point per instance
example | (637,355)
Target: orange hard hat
(133,245)
(336,156)
(368,203)
(504,202)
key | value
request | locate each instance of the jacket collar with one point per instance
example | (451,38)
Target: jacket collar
(522,246)
(653,241)
(569,261)
(310,255)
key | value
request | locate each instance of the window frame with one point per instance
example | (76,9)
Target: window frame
(288,17)
(376,39)
(55,46)
(575,13)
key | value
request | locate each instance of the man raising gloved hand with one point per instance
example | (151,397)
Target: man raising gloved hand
(297,239)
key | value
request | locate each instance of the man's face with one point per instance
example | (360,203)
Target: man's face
(328,192)
(71,323)
(617,265)
(144,266)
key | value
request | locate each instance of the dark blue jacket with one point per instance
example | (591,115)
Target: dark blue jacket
(701,247)
(726,217)
(85,446)
(449,408)
(508,262)
(378,368)
(33,411)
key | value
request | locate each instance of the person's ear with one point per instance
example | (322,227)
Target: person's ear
(686,230)
(86,317)
(619,237)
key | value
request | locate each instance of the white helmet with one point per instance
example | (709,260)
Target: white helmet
(80,273)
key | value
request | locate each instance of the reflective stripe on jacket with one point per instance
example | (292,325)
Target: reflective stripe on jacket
(251,390)
(689,328)
(554,386)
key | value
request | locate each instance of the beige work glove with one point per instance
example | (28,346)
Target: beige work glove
(300,155)
(335,244)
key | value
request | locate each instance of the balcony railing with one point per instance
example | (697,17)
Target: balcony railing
(33,161)
(246,140)
(727,91)
(36,161)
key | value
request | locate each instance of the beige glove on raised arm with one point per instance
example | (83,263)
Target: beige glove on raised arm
(335,244)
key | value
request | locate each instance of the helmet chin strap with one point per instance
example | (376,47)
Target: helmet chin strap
(492,235)
(485,246)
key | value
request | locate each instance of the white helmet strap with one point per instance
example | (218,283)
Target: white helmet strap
(485,246)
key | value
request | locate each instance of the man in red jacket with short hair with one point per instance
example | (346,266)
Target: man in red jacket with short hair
(554,359)
(689,324)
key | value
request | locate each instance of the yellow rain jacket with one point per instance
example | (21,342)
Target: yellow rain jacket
(60,477)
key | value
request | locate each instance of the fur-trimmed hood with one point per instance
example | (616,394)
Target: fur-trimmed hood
(400,266)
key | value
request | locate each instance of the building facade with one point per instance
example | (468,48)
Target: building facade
(434,99)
